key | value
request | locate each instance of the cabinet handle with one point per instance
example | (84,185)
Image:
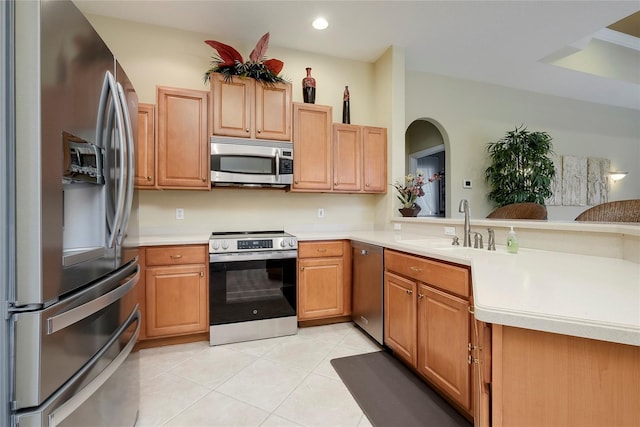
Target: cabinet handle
(322,250)
(175,256)
(202,274)
(415,269)
(409,292)
(471,310)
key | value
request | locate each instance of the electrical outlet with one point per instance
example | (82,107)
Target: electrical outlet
(449,231)
(397,226)
(179,213)
(320,213)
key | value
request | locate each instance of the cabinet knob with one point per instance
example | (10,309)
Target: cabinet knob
(295,182)
(247,130)
(259,130)
(366,185)
(470,310)
(335,183)
(202,274)
(409,292)
(420,296)
(301,268)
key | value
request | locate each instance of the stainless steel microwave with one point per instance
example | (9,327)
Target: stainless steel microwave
(251,162)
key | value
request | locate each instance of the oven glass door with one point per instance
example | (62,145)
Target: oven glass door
(251,290)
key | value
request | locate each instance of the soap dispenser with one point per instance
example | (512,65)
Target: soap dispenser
(512,242)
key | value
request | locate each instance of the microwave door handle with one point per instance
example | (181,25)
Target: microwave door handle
(119,208)
(128,170)
(277,165)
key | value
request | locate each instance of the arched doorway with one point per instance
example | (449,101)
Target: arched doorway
(426,151)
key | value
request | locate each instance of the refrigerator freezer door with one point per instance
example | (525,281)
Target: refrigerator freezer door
(51,345)
(104,392)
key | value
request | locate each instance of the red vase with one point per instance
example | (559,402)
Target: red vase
(309,88)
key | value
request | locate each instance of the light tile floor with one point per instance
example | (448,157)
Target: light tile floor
(284,381)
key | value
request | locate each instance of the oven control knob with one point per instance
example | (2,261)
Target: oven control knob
(292,242)
(225,245)
(283,243)
(215,245)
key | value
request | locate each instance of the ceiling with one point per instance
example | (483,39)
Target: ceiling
(508,43)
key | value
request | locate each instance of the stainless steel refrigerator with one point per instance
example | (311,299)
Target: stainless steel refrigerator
(68,290)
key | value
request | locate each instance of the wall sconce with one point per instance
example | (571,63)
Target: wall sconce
(617,176)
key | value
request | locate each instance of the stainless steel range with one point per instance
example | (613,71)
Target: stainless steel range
(252,286)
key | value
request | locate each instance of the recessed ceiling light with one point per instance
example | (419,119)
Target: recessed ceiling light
(320,23)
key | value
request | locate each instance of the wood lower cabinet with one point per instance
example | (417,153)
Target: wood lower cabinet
(427,322)
(145,148)
(183,139)
(245,108)
(324,280)
(176,291)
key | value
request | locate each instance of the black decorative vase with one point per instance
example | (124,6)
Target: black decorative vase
(309,88)
(409,212)
(346,112)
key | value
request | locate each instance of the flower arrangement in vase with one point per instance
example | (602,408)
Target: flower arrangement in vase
(229,63)
(411,190)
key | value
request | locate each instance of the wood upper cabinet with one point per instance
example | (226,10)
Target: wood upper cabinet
(347,157)
(427,321)
(177,290)
(246,108)
(400,326)
(374,159)
(324,285)
(359,158)
(145,148)
(312,168)
(183,139)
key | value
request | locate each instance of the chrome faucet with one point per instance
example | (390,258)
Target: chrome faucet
(478,241)
(491,245)
(464,208)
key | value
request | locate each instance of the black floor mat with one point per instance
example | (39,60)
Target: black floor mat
(391,395)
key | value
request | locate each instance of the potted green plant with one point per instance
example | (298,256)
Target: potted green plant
(521,169)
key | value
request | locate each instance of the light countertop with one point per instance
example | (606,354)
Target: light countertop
(580,295)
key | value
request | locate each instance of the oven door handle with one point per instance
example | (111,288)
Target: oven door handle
(253,256)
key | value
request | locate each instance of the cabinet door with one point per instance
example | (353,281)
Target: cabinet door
(400,316)
(443,342)
(273,111)
(374,159)
(145,149)
(311,147)
(232,104)
(177,300)
(320,288)
(183,139)
(347,157)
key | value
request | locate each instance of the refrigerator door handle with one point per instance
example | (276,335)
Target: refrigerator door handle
(66,409)
(120,127)
(130,164)
(61,321)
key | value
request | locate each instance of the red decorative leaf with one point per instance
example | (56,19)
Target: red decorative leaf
(275,65)
(228,54)
(260,50)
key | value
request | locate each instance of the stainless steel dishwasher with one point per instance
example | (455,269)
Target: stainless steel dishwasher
(368,285)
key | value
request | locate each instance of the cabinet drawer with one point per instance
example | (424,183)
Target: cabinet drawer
(320,249)
(170,255)
(444,276)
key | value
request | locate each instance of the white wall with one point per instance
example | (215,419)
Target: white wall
(473,114)
(470,114)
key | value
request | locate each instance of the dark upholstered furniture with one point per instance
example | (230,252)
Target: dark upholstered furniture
(520,211)
(619,211)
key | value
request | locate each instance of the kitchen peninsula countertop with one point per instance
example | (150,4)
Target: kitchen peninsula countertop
(580,295)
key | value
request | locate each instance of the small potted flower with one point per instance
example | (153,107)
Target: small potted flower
(409,192)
